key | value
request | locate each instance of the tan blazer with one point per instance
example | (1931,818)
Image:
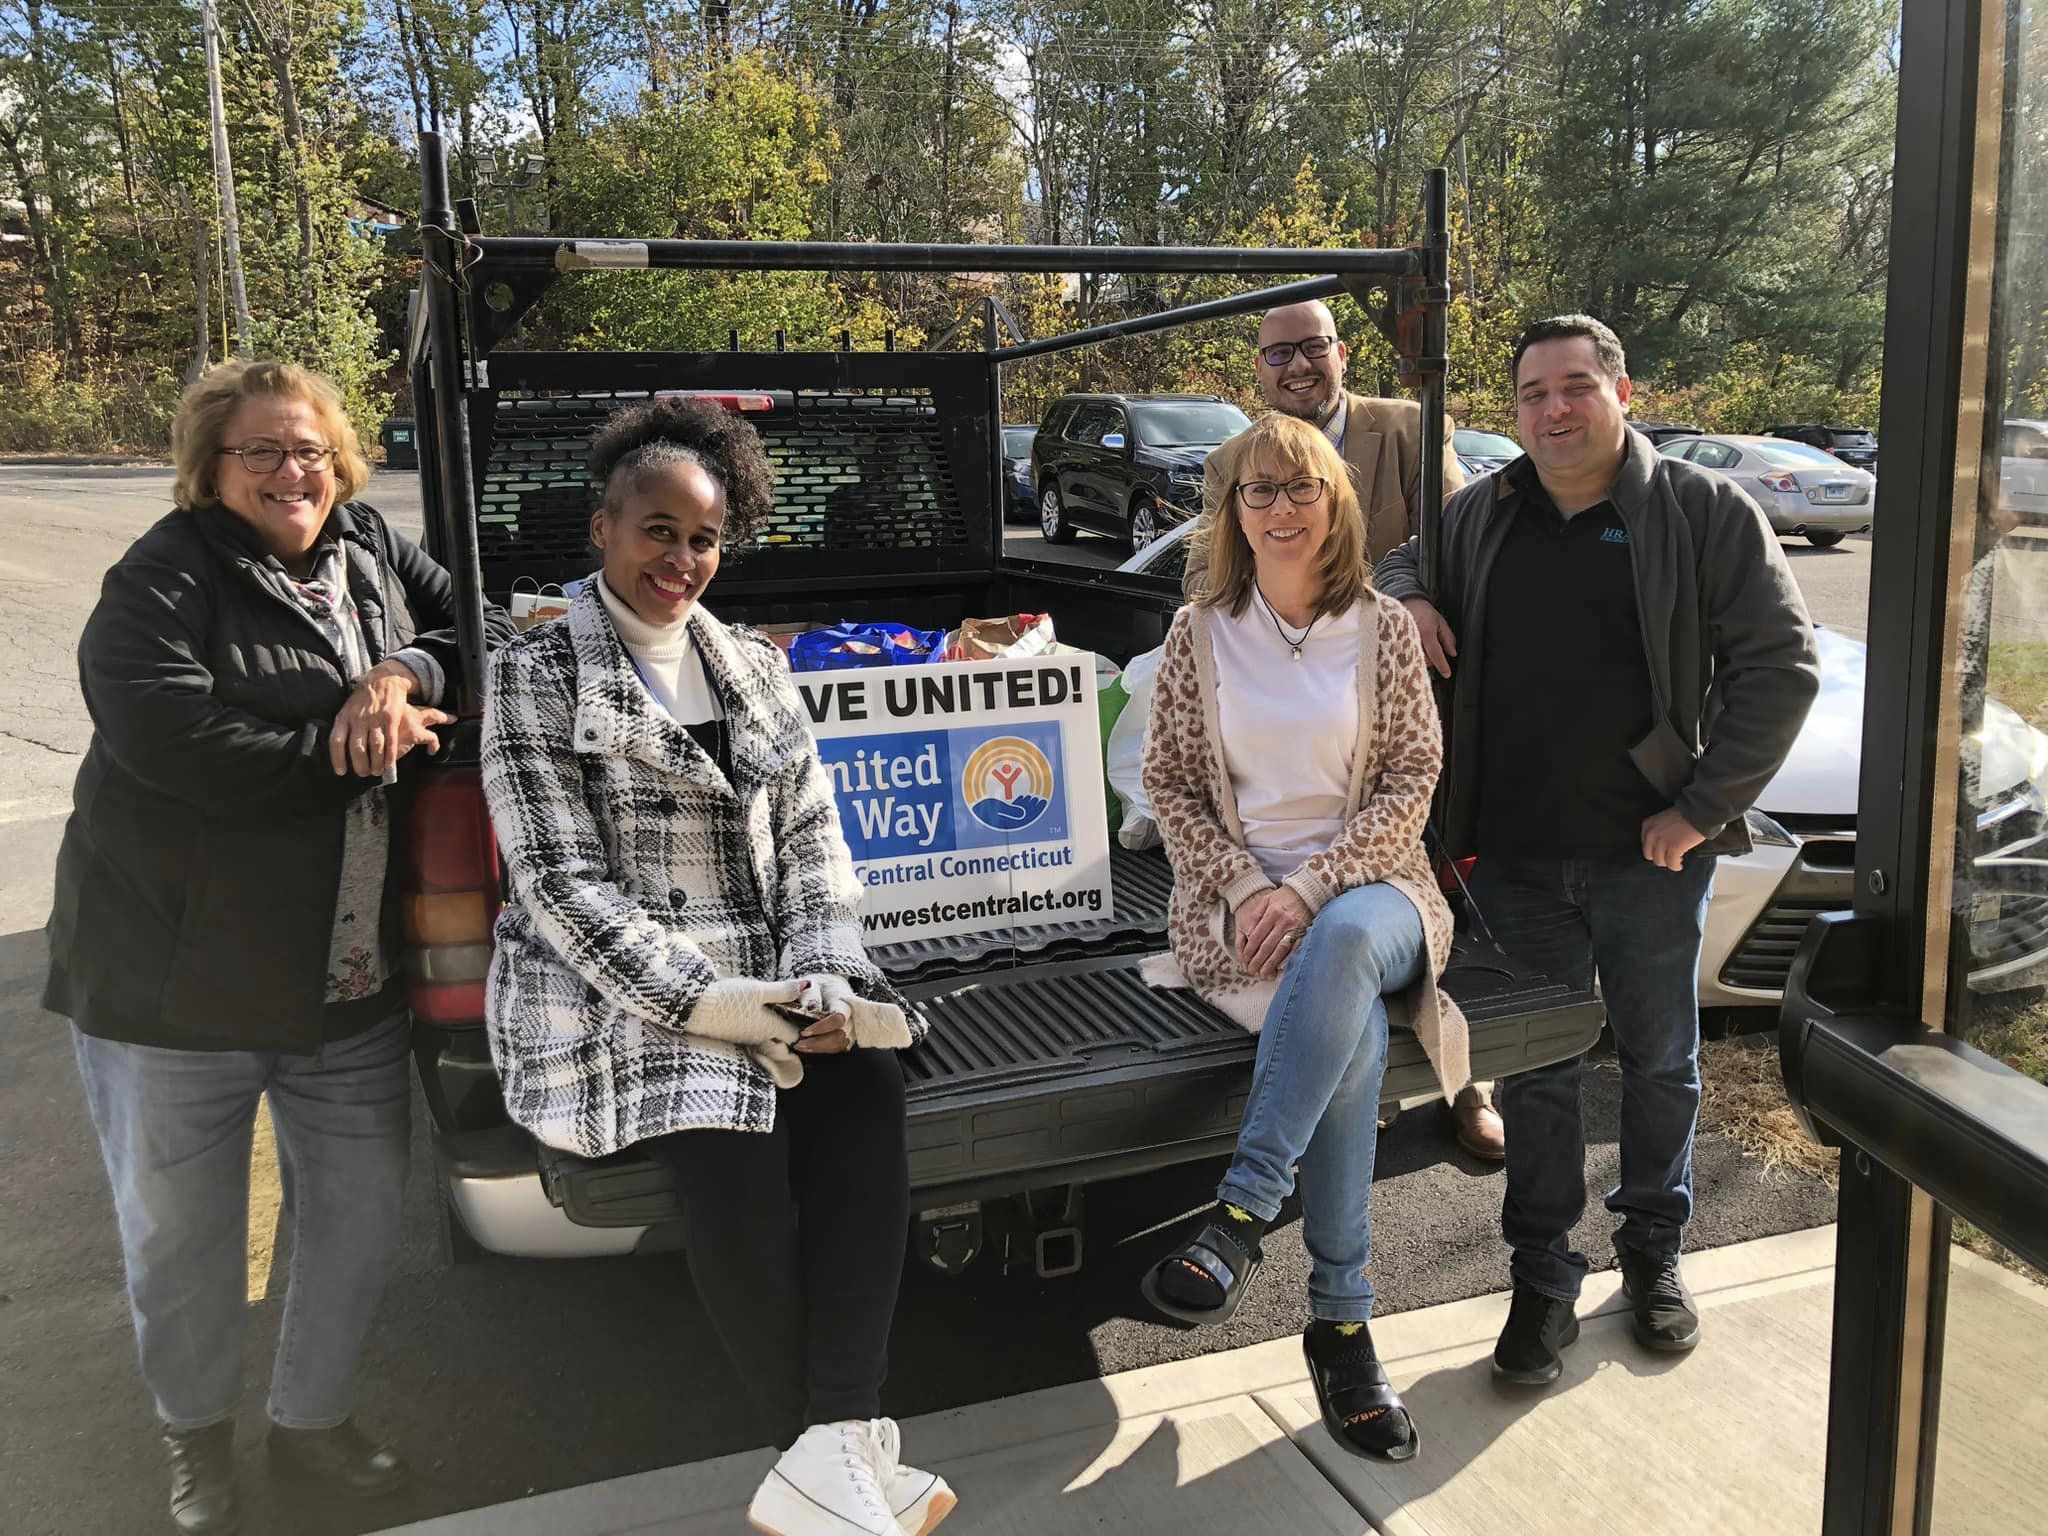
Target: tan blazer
(1383,447)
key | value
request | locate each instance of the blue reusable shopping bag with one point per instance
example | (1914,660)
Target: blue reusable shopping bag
(863,645)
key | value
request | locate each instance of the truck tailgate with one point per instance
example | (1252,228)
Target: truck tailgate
(1067,1072)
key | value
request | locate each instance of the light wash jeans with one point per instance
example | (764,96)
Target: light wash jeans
(1316,1089)
(1639,927)
(175,1128)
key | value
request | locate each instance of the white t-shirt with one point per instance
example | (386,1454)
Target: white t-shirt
(1290,729)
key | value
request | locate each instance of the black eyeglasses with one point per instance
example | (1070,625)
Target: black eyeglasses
(1302,490)
(1281,353)
(268,458)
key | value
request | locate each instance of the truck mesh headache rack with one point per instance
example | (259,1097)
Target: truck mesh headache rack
(868,476)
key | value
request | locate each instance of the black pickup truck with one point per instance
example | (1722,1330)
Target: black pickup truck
(1050,1064)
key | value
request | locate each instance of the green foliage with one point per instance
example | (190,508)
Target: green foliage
(46,410)
(1712,176)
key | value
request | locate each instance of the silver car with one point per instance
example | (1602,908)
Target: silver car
(1802,490)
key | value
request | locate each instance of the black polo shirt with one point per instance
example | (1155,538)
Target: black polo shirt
(1565,686)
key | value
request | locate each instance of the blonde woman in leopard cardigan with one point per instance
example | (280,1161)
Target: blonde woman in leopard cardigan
(680,964)
(1291,754)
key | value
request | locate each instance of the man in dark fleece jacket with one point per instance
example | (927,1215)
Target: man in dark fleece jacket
(1630,662)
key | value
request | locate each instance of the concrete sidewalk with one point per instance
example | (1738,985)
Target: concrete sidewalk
(1729,1439)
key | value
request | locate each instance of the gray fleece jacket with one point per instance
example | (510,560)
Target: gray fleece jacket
(1733,666)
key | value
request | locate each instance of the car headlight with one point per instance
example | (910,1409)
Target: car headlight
(1764,831)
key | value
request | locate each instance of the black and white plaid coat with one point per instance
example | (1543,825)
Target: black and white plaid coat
(639,876)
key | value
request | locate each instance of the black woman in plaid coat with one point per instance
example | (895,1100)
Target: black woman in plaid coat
(679,966)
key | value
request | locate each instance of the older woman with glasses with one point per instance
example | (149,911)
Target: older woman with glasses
(258,666)
(1291,754)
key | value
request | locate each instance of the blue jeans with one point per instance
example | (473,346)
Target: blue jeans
(1639,927)
(175,1128)
(1316,1089)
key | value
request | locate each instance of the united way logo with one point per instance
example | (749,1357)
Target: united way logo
(1007,784)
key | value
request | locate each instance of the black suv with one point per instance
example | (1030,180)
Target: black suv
(1852,445)
(1128,465)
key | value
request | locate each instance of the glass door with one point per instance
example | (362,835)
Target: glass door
(1916,1029)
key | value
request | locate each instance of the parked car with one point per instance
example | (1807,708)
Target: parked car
(1482,452)
(2023,471)
(1662,432)
(1852,445)
(1018,501)
(1804,828)
(1126,465)
(1802,489)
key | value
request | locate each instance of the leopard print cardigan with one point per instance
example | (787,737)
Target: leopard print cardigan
(1393,775)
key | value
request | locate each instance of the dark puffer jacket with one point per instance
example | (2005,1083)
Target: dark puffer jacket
(197,880)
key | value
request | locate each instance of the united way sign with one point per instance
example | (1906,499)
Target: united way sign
(970,792)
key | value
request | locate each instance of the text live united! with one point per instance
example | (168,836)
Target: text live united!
(970,792)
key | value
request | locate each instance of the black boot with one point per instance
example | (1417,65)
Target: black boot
(342,1460)
(1665,1318)
(203,1501)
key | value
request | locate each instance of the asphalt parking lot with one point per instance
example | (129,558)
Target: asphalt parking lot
(503,1378)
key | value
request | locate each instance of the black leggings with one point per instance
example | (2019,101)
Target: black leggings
(796,1239)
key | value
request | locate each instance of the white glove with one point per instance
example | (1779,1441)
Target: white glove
(879,1026)
(826,993)
(735,1009)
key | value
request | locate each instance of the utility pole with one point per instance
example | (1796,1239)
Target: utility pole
(224,177)
(1464,179)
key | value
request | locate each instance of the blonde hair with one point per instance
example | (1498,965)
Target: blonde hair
(211,402)
(1221,568)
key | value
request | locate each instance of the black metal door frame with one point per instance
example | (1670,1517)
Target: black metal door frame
(1892,1240)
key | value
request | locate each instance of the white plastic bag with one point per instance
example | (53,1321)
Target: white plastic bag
(1125,753)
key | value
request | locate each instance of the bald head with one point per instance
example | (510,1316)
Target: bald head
(1300,385)
(1291,322)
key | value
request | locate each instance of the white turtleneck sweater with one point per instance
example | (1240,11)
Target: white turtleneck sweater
(667,662)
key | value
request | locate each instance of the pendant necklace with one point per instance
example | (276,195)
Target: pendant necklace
(1293,645)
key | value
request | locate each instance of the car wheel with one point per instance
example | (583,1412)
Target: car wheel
(1144,522)
(1825,540)
(1052,517)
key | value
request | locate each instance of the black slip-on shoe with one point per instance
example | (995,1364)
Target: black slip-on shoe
(1666,1319)
(1530,1352)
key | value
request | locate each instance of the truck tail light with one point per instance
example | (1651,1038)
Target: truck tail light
(1452,875)
(453,889)
(1779,480)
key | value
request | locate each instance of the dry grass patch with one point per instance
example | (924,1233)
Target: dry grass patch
(1742,1097)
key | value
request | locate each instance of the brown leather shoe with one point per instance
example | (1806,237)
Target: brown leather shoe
(1480,1131)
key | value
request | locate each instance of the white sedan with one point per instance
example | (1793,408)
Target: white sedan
(1804,828)
(1802,489)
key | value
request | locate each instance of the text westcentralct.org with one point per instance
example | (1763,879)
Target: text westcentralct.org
(1018,905)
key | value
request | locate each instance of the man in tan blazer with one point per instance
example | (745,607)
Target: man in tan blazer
(1301,371)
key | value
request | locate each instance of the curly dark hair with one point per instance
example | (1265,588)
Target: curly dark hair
(681,429)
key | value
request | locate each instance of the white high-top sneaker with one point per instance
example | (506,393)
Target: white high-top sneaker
(830,1483)
(919,1500)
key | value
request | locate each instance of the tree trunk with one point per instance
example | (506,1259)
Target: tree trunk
(202,282)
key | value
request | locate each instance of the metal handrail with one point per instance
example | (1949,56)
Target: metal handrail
(1938,1112)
